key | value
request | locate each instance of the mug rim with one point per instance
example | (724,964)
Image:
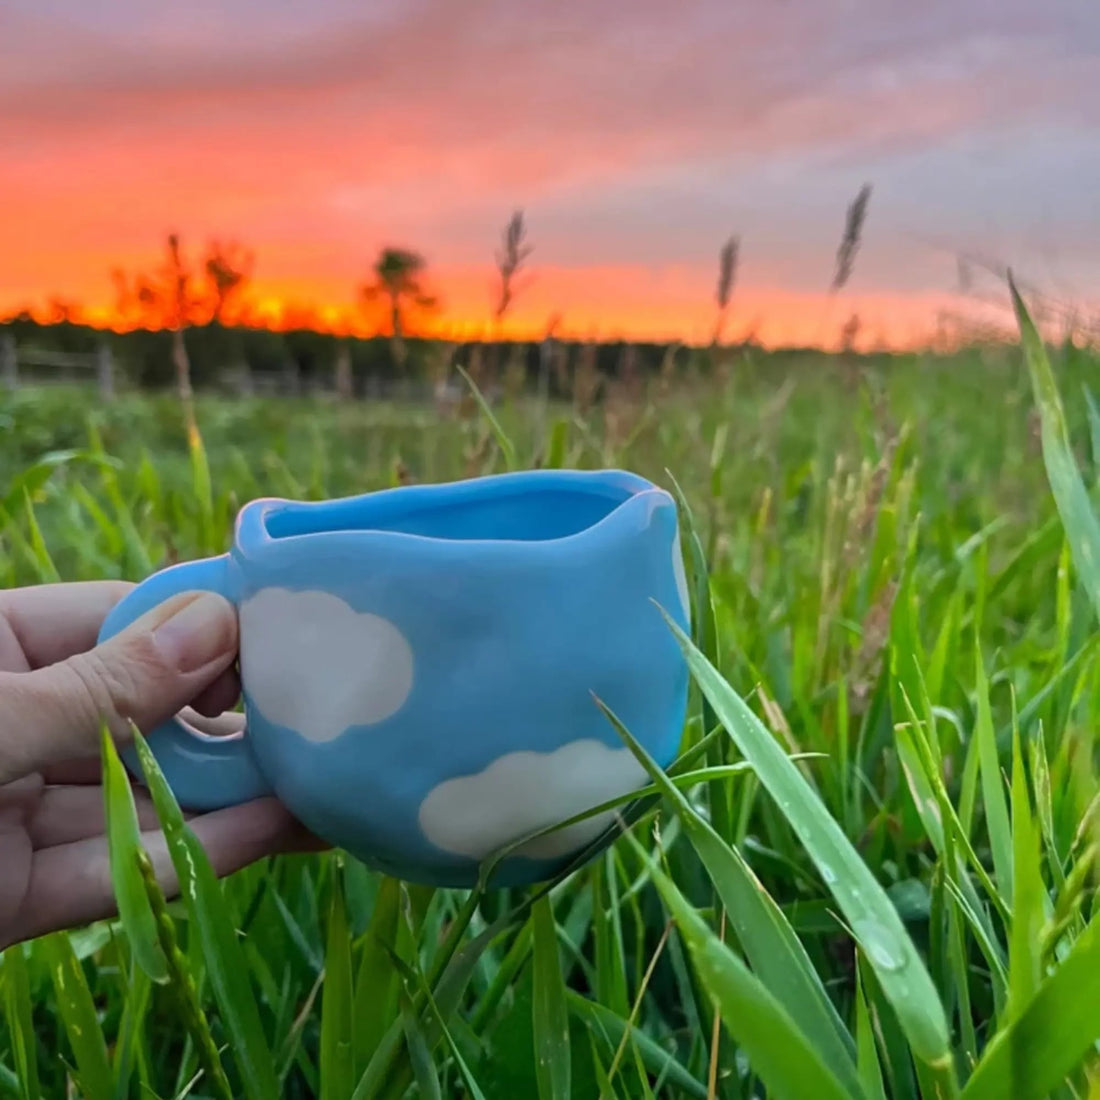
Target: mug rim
(623,486)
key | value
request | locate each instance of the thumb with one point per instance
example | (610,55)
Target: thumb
(146,673)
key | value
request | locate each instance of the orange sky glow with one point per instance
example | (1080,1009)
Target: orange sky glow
(600,303)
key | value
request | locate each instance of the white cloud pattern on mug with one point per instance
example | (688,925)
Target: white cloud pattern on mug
(314,664)
(520,792)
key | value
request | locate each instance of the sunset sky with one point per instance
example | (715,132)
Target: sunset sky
(635,136)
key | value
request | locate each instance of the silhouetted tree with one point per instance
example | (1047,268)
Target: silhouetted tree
(60,311)
(164,298)
(397,279)
(228,269)
(173,296)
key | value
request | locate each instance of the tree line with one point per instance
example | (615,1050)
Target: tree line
(194,321)
(198,317)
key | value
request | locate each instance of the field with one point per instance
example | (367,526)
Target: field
(876,876)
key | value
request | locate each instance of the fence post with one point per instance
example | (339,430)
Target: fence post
(343,371)
(9,363)
(292,376)
(105,371)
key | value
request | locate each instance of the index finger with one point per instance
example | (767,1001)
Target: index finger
(43,624)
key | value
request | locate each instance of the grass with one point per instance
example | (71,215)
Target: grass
(869,875)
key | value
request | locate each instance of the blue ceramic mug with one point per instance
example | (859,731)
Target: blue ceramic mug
(418,666)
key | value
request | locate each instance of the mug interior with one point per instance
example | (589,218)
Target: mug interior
(513,514)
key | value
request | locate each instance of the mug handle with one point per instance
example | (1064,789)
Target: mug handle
(204,772)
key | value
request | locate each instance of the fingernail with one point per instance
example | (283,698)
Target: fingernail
(200,632)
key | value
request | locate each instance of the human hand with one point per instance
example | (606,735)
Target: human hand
(56,686)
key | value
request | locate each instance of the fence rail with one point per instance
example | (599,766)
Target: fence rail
(24,365)
(99,363)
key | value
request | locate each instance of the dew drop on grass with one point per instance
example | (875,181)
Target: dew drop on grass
(880,944)
(827,873)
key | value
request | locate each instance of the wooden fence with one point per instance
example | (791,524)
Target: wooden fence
(22,365)
(26,365)
(97,365)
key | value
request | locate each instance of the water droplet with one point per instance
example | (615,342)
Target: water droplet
(827,873)
(880,944)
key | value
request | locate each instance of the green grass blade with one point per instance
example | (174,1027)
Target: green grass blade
(944,651)
(550,1017)
(779,1053)
(907,691)
(704,629)
(897,1060)
(870,1072)
(1027,900)
(960,978)
(502,980)
(377,981)
(983,935)
(289,1050)
(993,795)
(773,949)
(18,1012)
(224,957)
(1039,544)
(123,842)
(30,481)
(138,559)
(103,522)
(602,1021)
(968,788)
(337,1055)
(182,987)
(611,988)
(507,447)
(129,1033)
(873,919)
(1044,806)
(1051,1036)
(47,571)
(78,1015)
(606,1087)
(441,1023)
(427,1079)
(559,441)
(920,742)
(381,1077)
(202,488)
(1078,518)
(9,1083)
(1094,425)
(1068,904)
(372,1081)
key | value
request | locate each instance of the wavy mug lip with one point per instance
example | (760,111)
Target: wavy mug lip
(622,486)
